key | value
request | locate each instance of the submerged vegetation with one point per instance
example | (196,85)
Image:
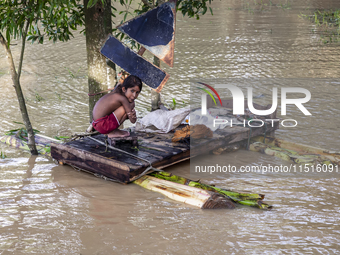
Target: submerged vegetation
(21,133)
(58,96)
(328,24)
(72,74)
(62,138)
(38,97)
(2,155)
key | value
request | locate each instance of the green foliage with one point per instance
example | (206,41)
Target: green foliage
(92,3)
(328,24)
(21,132)
(38,97)
(193,8)
(2,155)
(58,96)
(174,102)
(56,19)
(73,75)
(45,150)
(62,138)
(52,18)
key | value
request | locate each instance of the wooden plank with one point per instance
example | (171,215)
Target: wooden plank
(99,149)
(158,149)
(91,162)
(86,154)
(134,64)
(147,150)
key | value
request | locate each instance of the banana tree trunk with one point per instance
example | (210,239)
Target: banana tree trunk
(249,199)
(189,195)
(290,151)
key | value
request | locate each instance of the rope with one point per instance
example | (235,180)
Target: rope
(114,180)
(249,136)
(150,167)
(101,92)
(81,135)
(95,174)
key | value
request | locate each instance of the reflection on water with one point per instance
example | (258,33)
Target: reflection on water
(49,209)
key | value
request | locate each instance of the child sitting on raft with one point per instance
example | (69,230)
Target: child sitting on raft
(114,108)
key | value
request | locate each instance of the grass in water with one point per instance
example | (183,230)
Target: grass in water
(38,97)
(328,24)
(73,75)
(2,155)
(58,96)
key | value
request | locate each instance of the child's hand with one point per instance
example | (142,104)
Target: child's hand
(132,116)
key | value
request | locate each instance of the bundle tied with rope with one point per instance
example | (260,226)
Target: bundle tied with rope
(198,131)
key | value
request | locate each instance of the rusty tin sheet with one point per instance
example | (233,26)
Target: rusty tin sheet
(155,30)
(134,64)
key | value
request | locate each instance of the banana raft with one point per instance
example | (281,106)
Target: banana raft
(298,153)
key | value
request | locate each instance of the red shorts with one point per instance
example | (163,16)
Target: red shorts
(106,124)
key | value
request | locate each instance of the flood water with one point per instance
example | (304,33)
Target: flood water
(51,209)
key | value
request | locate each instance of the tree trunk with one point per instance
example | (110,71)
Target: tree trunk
(98,26)
(20,96)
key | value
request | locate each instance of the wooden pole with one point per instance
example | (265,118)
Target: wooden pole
(155,96)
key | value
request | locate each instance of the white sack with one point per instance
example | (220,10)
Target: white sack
(161,121)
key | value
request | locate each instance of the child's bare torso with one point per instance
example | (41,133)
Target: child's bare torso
(109,103)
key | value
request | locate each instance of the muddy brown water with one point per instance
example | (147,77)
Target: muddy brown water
(50,209)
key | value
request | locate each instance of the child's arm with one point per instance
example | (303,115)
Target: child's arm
(132,116)
(129,109)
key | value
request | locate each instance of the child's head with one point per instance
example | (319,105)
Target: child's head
(132,81)
(131,87)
